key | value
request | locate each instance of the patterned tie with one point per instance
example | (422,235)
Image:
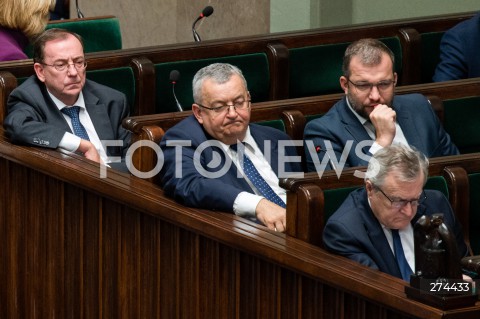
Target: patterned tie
(78,128)
(257,180)
(400,256)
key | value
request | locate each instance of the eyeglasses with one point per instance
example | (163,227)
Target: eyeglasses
(365,87)
(237,106)
(400,203)
(62,66)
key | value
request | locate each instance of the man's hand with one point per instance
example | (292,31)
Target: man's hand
(383,119)
(271,215)
(89,151)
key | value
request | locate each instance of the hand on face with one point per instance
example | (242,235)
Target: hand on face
(383,119)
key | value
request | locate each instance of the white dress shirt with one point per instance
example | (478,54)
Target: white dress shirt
(70,142)
(246,203)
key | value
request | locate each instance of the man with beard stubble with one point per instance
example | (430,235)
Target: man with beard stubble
(370,116)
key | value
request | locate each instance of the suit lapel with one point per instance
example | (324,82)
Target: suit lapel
(380,242)
(99,116)
(352,124)
(408,127)
(263,141)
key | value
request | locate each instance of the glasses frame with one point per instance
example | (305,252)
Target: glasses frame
(400,203)
(226,107)
(390,83)
(66,66)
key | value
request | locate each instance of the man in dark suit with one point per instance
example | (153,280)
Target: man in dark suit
(202,169)
(459,52)
(370,116)
(365,226)
(37,109)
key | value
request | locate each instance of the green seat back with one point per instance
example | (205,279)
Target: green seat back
(474,181)
(430,55)
(98,34)
(462,122)
(309,118)
(278,124)
(121,79)
(335,197)
(316,70)
(254,67)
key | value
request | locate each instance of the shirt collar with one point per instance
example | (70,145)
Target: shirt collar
(60,105)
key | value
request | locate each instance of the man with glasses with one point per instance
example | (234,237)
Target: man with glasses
(216,159)
(370,116)
(59,108)
(374,225)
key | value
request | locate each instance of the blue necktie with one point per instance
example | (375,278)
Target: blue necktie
(257,180)
(400,256)
(78,128)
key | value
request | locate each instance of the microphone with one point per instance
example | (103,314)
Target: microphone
(205,13)
(79,13)
(318,149)
(174,77)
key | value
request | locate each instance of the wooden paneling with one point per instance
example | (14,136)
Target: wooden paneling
(77,245)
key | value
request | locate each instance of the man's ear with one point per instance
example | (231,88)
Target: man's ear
(344,84)
(368,187)
(198,112)
(39,70)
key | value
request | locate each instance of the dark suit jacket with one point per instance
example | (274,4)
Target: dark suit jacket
(340,126)
(459,51)
(354,232)
(34,119)
(195,190)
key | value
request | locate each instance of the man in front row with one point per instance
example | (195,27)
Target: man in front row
(370,116)
(371,222)
(216,135)
(59,108)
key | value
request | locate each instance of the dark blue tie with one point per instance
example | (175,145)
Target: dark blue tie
(257,180)
(400,256)
(78,128)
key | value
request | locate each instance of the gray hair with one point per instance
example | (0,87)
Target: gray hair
(408,162)
(219,73)
(369,51)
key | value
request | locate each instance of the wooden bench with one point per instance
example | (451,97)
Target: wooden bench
(117,247)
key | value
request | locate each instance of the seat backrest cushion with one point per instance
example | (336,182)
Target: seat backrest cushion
(254,67)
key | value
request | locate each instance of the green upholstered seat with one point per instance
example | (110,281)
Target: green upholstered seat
(100,34)
(462,122)
(254,67)
(316,70)
(474,227)
(278,124)
(121,79)
(430,55)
